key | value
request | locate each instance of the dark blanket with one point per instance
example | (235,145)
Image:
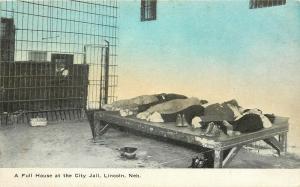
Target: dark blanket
(189,113)
(246,124)
(251,123)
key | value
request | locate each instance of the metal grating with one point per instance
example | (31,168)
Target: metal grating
(148,10)
(50,57)
(265,3)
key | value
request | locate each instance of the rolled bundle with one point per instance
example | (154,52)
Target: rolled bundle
(140,103)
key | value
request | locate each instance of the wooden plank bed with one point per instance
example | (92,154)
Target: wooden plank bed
(276,136)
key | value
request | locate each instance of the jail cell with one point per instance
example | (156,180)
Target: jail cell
(49,64)
(101,80)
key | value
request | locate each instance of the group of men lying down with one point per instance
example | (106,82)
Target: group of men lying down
(214,119)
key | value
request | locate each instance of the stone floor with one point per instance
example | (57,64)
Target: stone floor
(70,145)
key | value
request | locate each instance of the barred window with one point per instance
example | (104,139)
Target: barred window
(265,3)
(148,10)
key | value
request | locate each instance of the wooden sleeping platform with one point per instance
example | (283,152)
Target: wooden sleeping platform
(276,136)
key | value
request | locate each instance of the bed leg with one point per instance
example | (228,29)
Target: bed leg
(276,144)
(218,158)
(100,128)
(91,120)
(283,142)
(233,152)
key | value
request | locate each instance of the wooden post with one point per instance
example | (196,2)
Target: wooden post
(283,142)
(233,152)
(274,143)
(218,159)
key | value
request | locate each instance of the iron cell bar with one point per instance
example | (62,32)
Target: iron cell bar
(47,28)
(61,19)
(68,9)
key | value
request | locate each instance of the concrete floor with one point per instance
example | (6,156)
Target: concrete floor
(70,145)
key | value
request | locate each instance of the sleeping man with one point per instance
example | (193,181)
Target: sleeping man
(249,120)
(227,118)
(169,111)
(140,103)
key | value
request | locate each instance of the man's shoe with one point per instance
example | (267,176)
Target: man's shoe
(215,131)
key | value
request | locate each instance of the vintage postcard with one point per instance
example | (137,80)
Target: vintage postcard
(149,92)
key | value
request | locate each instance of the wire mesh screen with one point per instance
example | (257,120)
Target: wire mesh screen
(101,82)
(148,10)
(265,3)
(57,58)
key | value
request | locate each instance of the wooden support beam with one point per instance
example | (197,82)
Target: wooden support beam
(273,142)
(103,129)
(233,152)
(98,127)
(172,132)
(91,119)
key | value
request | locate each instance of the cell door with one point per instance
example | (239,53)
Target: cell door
(97,57)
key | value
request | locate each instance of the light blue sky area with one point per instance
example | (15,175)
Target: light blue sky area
(187,30)
(201,35)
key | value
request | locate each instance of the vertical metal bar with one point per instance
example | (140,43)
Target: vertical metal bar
(101,79)
(106,85)
(142,10)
